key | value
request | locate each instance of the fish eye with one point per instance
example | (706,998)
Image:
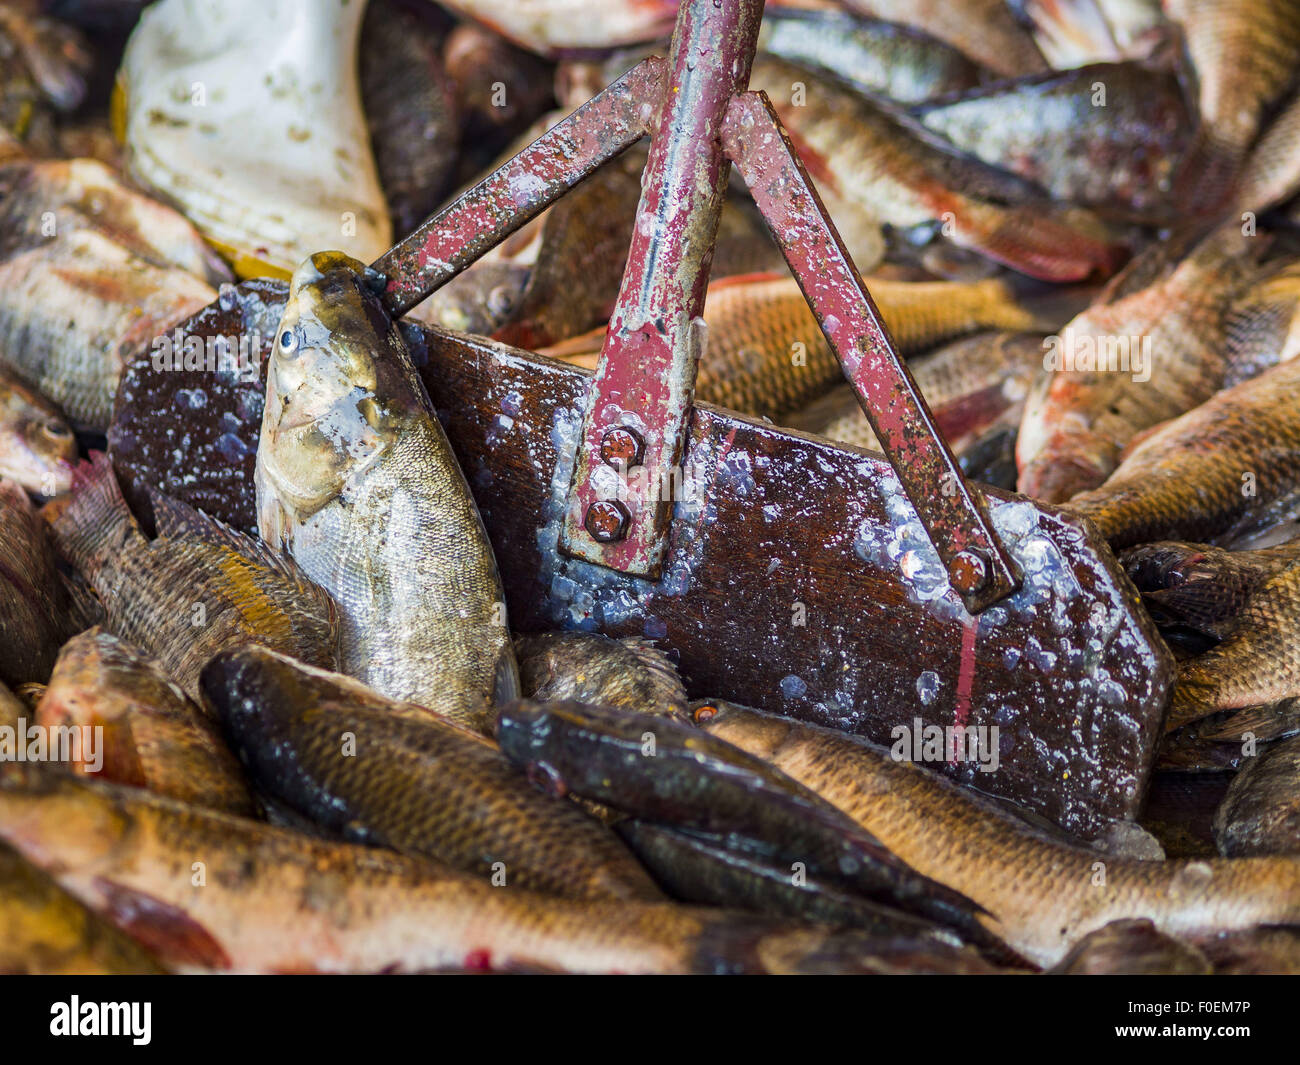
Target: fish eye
(704,713)
(55,431)
(289,341)
(501,300)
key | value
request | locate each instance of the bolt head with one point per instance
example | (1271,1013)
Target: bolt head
(622,446)
(970,572)
(607,521)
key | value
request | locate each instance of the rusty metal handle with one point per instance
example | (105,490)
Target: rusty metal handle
(979,569)
(483,216)
(640,397)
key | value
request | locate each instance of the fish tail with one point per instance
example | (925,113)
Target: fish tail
(92,523)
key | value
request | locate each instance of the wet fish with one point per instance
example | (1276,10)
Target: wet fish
(1209,473)
(1259,662)
(42,199)
(704,868)
(874,168)
(37,447)
(661,769)
(585,667)
(196,589)
(410,109)
(44,931)
(1264,328)
(973,387)
(1244,55)
(1124,366)
(1261,812)
(871,56)
(985,30)
(74,311)
(1108,135)
(357,483)
(35,606)
(276,900)
(1044,894)
(374,772)
(1132,947)
(151,734)
(554,27)
(1228,739)
(1200,586)
(1270,175)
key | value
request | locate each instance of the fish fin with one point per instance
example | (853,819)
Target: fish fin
(170,933)
(92,522)
(87,611)
(657,661)
(505,684)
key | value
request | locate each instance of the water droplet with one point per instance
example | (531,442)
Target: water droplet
(793,687)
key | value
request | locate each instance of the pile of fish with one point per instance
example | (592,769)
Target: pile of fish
(322,748)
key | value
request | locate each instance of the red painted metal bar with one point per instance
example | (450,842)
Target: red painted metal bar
(954,516)
(510,196)
(635,421)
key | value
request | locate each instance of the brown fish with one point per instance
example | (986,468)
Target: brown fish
(35,605)
(44,931)
(1132,947)
(1258,663)
(1124,366)
(1044,894)
(1261,812)
(37,446)
(1264,328)
(1208,473)
(1271,173)
(497,88)
(274,900)
(153,735)
(196,589)
(374,772)
(985,30)
(1108,136)
(972,386)
(873,168)
(76,310)
(1267,951)
(585,667)
(1244,53)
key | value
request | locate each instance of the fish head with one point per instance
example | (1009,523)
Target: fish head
(340,385)
(753,730)
(37,447)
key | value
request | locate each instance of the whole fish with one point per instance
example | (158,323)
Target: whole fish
(196,589)
(42,199)
(585,667)
(1108,135)
(1261,812)
(663,770)
(1124,366)
(37,446)
(74,311)
(1270,175)
(45,931)
(1202,587)
(870,166)
(374,772)
(35,605)
(702,868)
(410,109)
(1209,473)
(985,30)
(554,27)
(274,900)
(1044,894)
(767,356)
(1132,947)
(1244,55)
(357,482)
(973,387)
(871,56)
(1258,663)
(151,734)
(1264,328)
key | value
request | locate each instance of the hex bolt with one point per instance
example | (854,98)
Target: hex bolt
(622,446)
(970,571)
(607,521)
